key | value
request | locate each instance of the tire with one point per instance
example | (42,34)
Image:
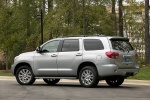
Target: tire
(51,81)
(115,81)
(25,76)
(88,77)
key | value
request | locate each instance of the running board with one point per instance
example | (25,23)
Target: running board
(58,77)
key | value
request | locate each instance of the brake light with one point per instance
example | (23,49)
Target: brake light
(113,55)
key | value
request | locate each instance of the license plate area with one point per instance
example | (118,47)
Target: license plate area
(127,59)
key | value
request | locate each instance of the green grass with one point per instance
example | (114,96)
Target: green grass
(144,74)
(5,73)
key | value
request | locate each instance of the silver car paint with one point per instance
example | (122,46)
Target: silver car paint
(68,62)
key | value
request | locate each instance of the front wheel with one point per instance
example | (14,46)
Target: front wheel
(114,82)
(24,75)
(51,81)
(88,77)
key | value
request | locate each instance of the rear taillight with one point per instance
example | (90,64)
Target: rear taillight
(113,55)
(136,56)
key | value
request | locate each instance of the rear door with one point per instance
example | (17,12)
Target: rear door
(127,55)
(69,57)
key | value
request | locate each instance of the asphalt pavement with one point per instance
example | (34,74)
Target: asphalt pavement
(72,90)
(127,81)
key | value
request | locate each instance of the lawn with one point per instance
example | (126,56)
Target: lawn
(144,74)
(5,73)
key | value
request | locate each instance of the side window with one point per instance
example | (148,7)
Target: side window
(70,45)
(93,44)
(50,46)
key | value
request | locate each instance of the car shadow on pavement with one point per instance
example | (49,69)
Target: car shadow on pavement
(79,86)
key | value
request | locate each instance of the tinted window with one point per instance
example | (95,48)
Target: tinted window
(93,44)
(70,45)
(50,46)
(122,45)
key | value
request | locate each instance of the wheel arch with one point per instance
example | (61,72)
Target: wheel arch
(19,65)
(84,64)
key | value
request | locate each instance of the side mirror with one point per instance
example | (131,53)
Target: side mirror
(38,49)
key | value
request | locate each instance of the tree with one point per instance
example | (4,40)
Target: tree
(114,16)
(17,23)
(133,22)
(147,35)
(74,11)
(83,14)
(120,18)
(50,5)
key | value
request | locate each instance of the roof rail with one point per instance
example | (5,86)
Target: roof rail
(82,35)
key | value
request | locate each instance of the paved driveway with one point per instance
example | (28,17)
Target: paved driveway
(11,90)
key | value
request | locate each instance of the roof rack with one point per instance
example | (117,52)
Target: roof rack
(82,35)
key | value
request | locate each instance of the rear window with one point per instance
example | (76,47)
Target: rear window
(93,44)
(123,45)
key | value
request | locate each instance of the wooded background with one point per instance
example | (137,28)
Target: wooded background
(20,27)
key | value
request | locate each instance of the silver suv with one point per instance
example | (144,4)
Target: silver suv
(87,58)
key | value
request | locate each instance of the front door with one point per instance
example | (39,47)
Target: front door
(45,62)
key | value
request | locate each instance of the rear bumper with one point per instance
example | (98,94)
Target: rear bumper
(113,70)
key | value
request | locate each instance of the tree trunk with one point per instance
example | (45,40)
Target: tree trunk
(6,58)
(50,5)
(120,18)
(74,12)
(1,4)
(43,6)
(26,10)
(83,14)
(15,2)
(114,16)
(147,36)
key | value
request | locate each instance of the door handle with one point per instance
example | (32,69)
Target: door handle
(78,54)
(53,55)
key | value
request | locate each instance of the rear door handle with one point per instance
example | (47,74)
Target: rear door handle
(54,55)
(78,54)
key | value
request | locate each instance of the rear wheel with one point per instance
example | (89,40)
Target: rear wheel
(24,75)
(51,81)
(88,76)
(115,81)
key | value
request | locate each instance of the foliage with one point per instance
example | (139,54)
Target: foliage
(134,26)
(20,28)
(17,24)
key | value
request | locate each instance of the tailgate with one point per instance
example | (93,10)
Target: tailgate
(127,56)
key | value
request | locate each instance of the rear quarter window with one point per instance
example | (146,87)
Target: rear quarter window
(122,45)
(93,44)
